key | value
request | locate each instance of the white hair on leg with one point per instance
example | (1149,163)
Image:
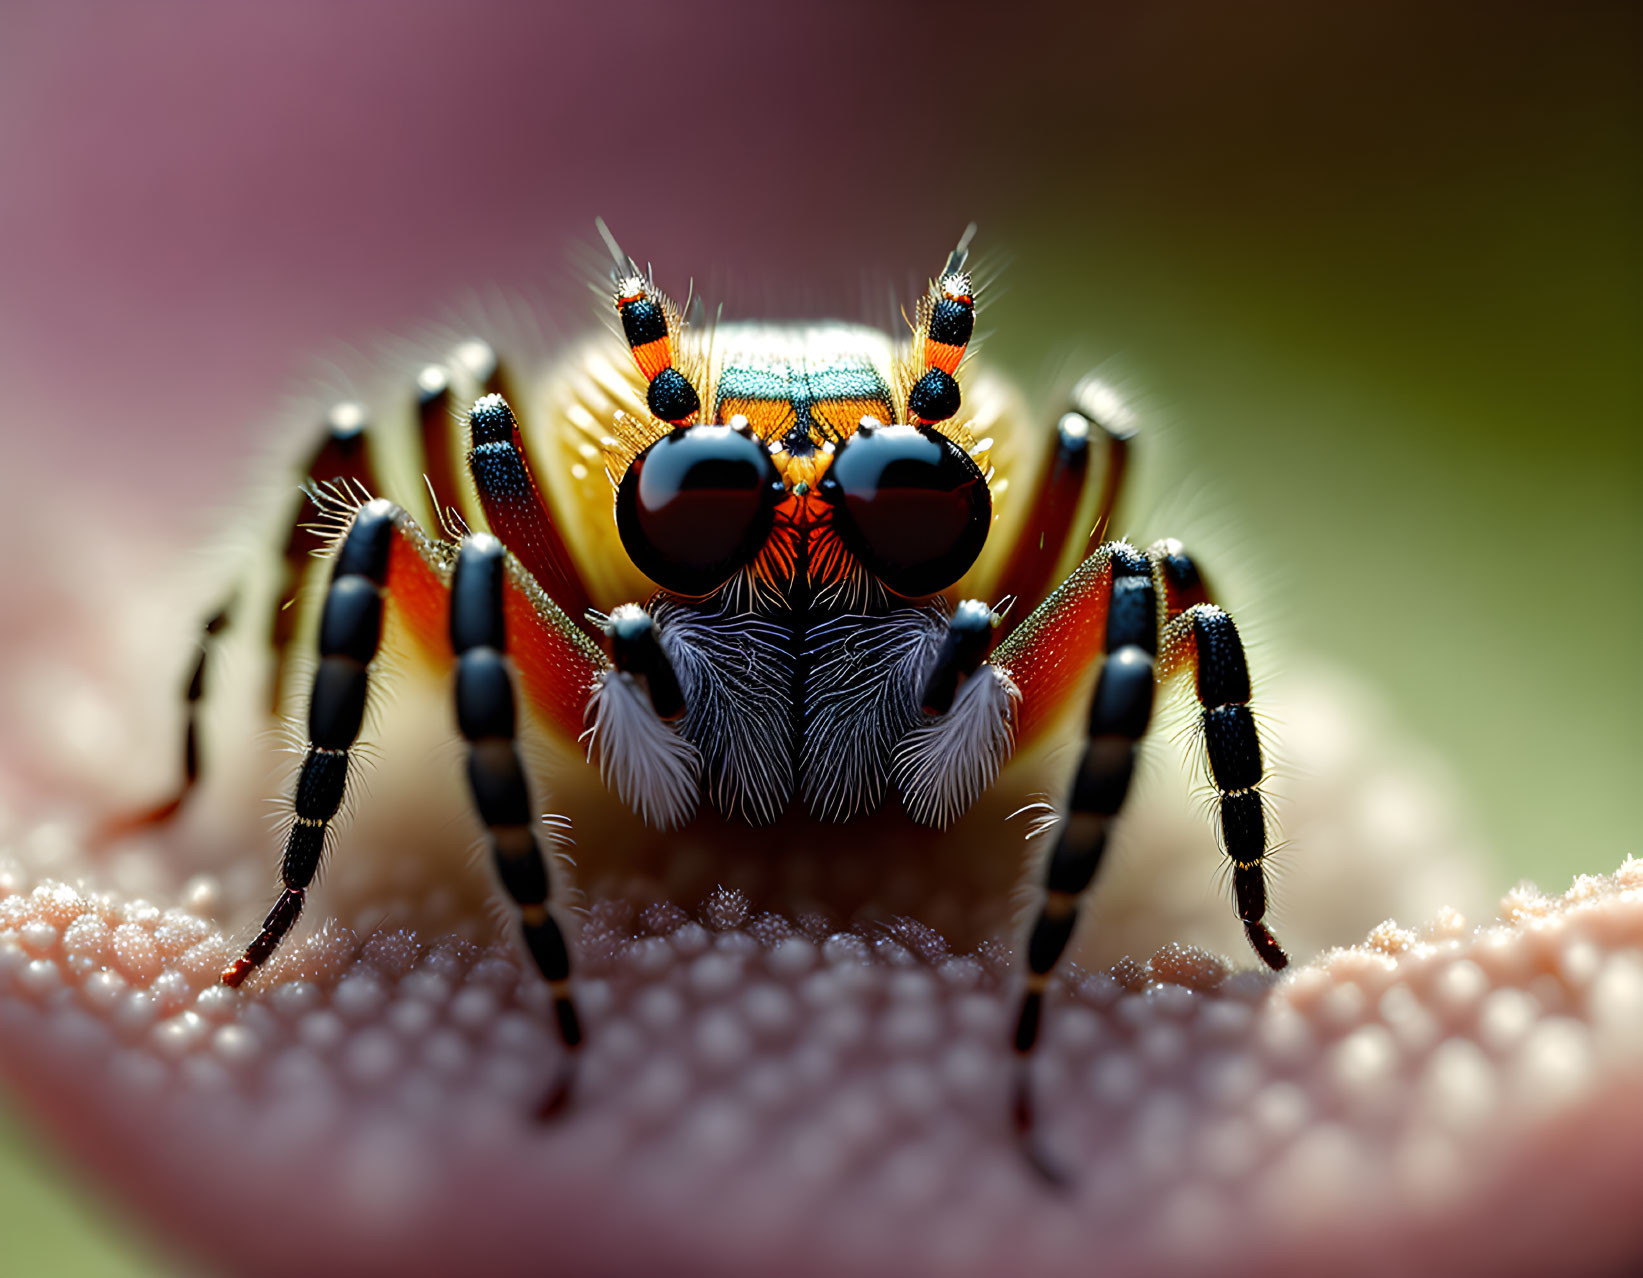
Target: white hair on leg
(942,766)
(651,767)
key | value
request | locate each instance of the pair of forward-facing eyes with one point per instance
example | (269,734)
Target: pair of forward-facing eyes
(697,506)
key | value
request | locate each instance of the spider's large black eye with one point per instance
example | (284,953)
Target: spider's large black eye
(696,505)
(910,505)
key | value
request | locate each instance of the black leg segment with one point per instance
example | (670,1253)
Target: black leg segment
(486,711)
(193,695)
(1159,620)
(1061,508)
(214,625)
(636,649)
(1204,637)
(969,638)
(514,504)
(438,433)
(651,326)
(350,631)
(343,457)
(1120,710)
(946,320)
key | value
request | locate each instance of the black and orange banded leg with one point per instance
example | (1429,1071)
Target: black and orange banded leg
(947,320)
(476,367)
(650,324)
(349,634)
(486,711)
(1098,405)
(343,456)
(1120,711)
(435,429)
(1162,588)
(1202,636)
(193,695)
(1062,492)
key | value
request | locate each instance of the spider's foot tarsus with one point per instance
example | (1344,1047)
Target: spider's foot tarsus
(1266,946)
(279,921)
(1025,1116)
(556,1099)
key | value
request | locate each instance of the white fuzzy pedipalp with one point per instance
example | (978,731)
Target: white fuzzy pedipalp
(943,766)
(651,767)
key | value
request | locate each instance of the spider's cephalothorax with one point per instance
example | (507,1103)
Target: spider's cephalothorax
(760,575)
(799,536)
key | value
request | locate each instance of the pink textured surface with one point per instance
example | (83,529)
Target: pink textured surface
(756,1100)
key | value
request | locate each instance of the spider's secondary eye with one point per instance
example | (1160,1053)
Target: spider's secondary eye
(911,505)
(695,506)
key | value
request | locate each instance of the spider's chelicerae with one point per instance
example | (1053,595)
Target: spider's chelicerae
(757,578)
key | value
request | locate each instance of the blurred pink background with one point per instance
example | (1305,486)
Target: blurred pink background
(198,200)
(193,207)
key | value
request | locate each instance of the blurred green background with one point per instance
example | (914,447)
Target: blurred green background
(1386,290)
(1370,273)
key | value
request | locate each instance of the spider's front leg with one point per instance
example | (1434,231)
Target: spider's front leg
(486,711)
(350,632)
(1115,598)
(384,561)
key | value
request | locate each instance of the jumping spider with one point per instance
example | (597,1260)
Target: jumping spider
(792,501)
